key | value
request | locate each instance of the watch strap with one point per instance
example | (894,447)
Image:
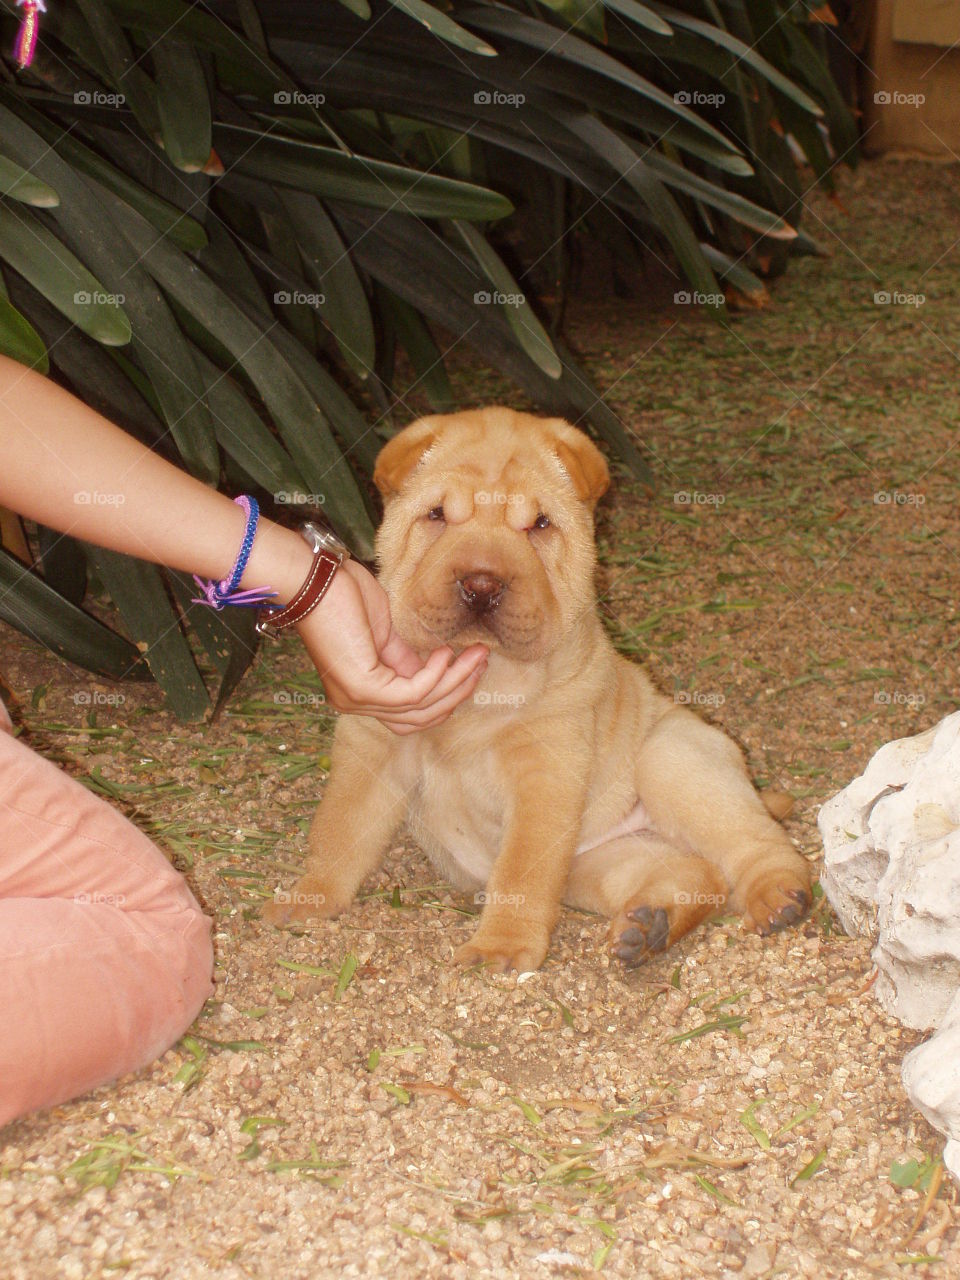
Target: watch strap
(322,571)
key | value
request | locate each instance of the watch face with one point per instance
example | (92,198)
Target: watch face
(323,539)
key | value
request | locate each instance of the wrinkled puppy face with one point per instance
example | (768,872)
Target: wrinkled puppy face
(488,530)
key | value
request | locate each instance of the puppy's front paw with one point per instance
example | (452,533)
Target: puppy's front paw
(776,899)
(503,952)
(308,899)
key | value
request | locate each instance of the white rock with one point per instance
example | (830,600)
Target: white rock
(892,871)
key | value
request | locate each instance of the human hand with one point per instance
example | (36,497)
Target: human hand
(367,669)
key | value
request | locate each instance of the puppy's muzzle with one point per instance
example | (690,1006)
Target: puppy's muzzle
(480,592)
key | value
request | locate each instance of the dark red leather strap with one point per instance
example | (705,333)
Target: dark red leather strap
(307,598)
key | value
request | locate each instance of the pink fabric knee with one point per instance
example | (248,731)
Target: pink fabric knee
(105,955)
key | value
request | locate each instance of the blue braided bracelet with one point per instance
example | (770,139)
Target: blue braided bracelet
(217,594)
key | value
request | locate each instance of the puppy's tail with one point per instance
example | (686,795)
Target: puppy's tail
(779,803)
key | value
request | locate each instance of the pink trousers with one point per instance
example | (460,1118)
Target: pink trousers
(105,955)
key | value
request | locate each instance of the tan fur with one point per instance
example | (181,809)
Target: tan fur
(567,777)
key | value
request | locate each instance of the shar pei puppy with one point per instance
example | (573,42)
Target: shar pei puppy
(567,778)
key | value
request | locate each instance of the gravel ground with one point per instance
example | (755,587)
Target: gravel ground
(791,580)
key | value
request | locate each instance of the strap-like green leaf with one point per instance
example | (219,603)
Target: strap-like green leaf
(19,339)
(183,104)
(445,28)
(327,264)
(127,76)
(19,184)
(423,352)
(641,14)
(326,171)
(27,603)
(59,275)
(507,294)
(297,415)
(138,592)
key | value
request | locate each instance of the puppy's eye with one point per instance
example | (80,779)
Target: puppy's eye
(541,522)
(435,513)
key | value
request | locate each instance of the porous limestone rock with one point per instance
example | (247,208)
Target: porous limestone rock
(892,871)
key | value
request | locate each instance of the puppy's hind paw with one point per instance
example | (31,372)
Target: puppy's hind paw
(637,932)
(502,954)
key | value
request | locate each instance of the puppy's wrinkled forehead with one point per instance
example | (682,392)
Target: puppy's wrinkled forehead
(493,449)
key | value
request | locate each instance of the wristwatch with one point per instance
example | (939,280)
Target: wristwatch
(329,554)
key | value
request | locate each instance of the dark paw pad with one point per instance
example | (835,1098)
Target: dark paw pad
(647,933)
(792,912)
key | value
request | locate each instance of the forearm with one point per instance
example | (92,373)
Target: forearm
(69,468)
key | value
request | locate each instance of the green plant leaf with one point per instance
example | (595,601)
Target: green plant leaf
(183,104)
(520,316)
(19,339)
(33,607)
(138,592)
(325,171)
(445,28)
(641,14)
(61,277)
(19,184)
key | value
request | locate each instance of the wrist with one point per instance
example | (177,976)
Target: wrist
(280,559)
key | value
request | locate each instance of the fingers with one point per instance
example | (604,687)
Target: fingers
(416,702)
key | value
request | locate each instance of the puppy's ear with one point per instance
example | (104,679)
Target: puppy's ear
(400,455)
(583,462)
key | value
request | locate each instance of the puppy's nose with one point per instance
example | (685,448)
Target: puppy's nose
(480,591)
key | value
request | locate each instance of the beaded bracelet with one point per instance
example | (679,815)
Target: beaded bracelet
(217,594)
